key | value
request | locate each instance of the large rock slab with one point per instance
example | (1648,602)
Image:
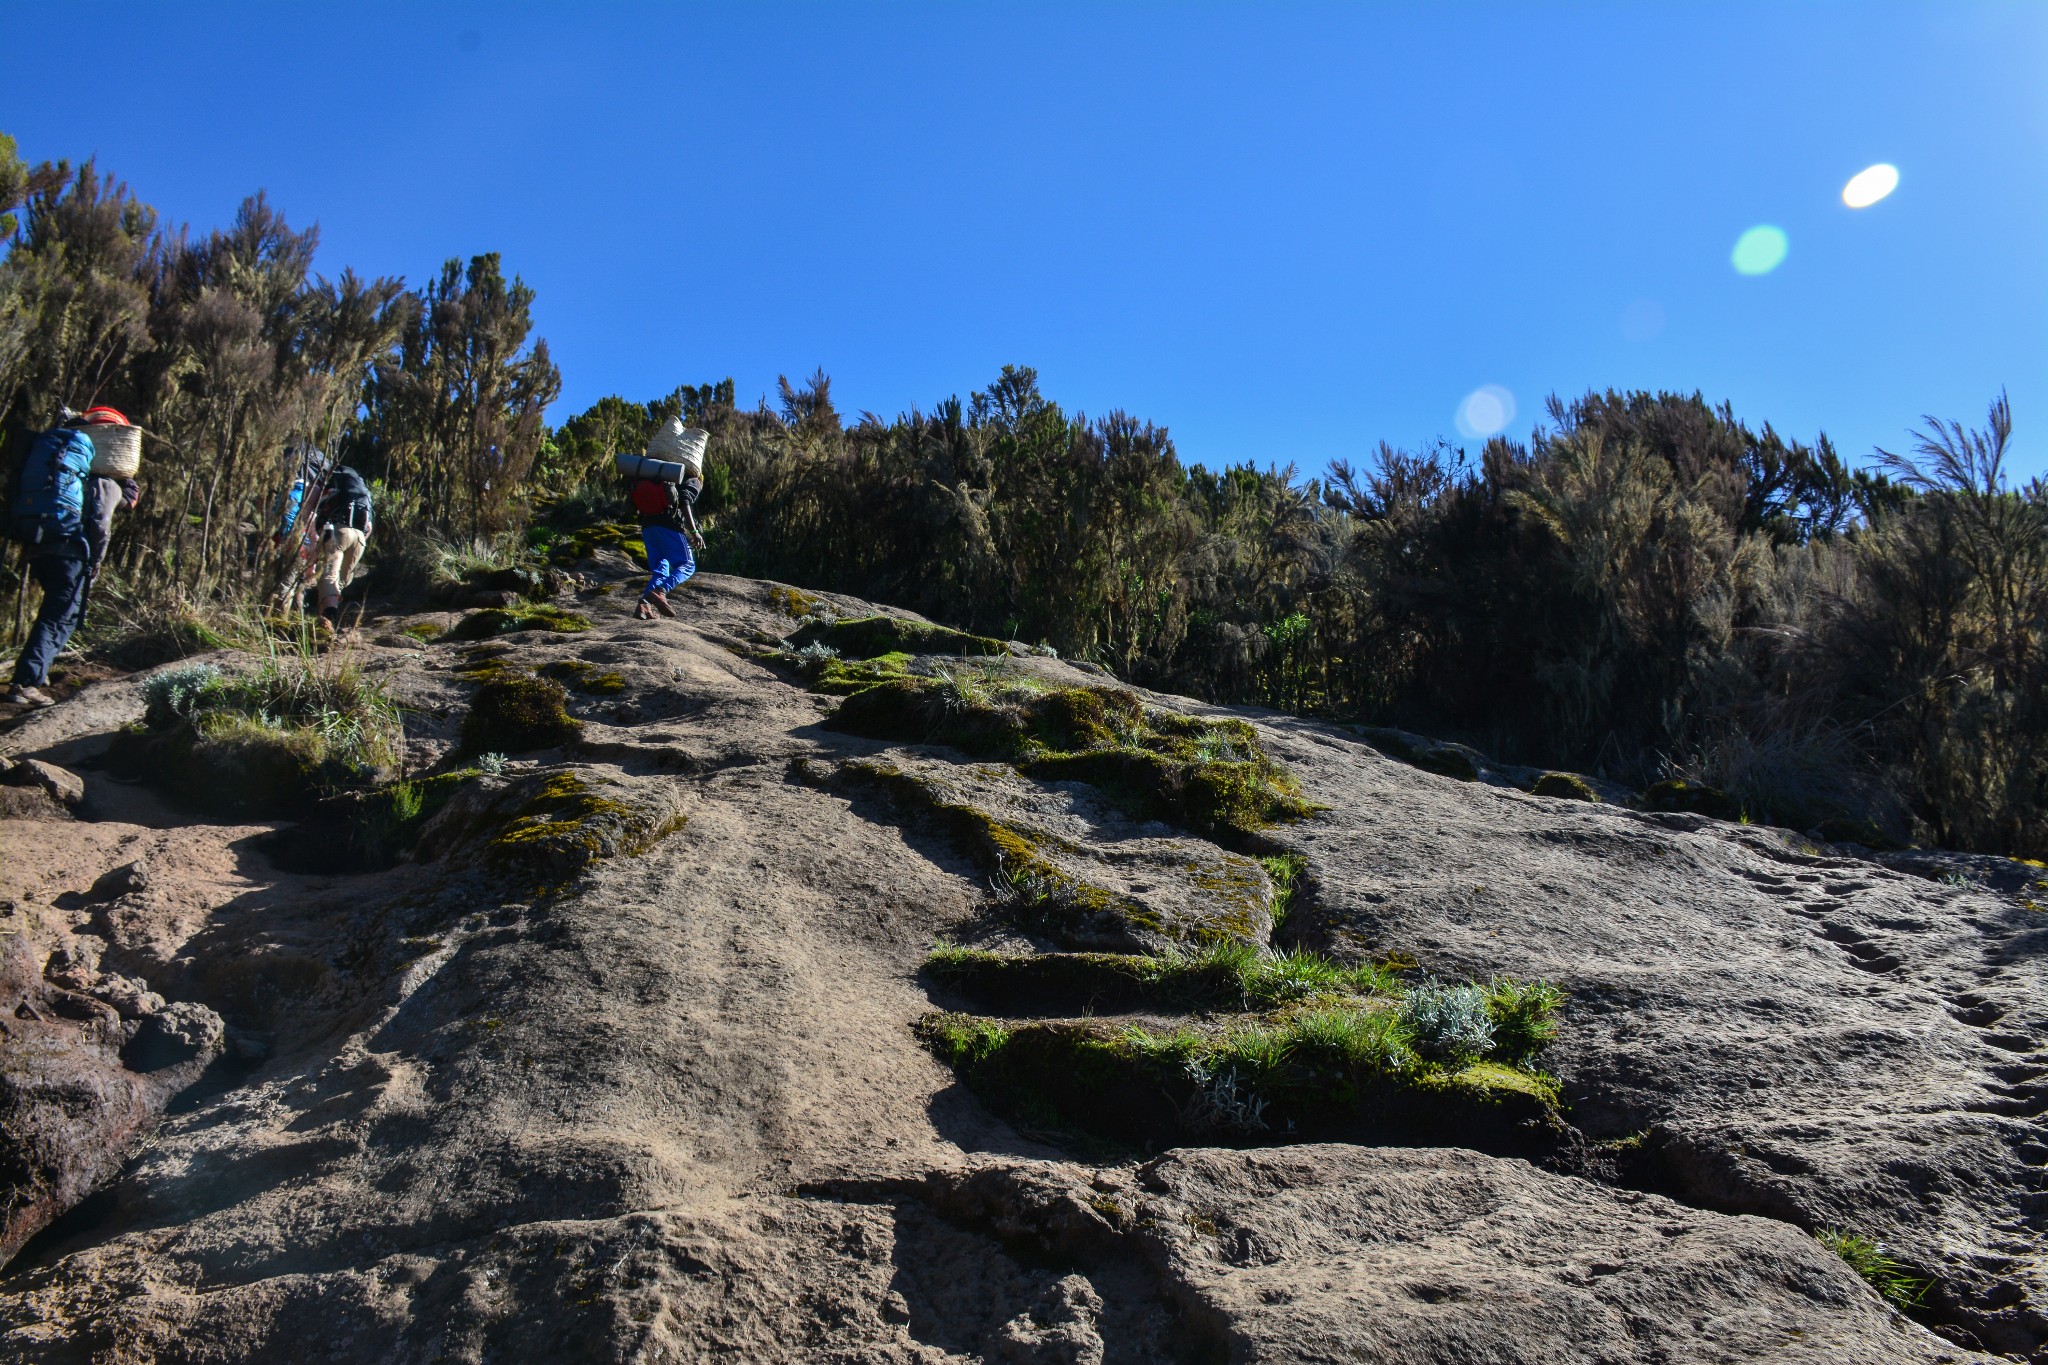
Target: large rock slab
(1758,1024)
(1442,1257)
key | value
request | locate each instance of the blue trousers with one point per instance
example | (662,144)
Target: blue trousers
(668,557)
(62,580)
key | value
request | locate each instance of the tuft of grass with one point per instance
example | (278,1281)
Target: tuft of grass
(301,725)
(1885,1273)
(1285,871)
(1524,1015)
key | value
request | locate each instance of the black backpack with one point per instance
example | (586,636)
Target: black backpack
(347,502)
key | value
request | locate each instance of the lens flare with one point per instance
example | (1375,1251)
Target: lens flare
(1760,250)
(1870,184)
(1486,411)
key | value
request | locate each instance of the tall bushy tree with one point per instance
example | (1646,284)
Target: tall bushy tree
(458,411)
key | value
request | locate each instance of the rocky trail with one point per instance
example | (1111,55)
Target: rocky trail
(640,1053)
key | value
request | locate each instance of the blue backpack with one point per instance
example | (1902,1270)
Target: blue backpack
(47,504)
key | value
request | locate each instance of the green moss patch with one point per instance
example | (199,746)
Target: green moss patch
(866,637)
(566,824)
(1697,798)
(791,601)
(1565,786)
(515,714)
(585,677)
(1211,776)
(843,678)
(570,548)
(494,621)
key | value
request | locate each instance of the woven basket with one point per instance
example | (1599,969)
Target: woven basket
(116,451)
(680,444)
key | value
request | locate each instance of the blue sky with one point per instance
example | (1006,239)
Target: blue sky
(1283,231)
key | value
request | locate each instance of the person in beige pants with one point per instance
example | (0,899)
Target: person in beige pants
(341,549)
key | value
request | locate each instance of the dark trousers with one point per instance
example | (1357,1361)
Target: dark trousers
(63,581)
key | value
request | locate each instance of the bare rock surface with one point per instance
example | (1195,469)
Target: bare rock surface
(664,1102)
(1768,1026)
(88,1063)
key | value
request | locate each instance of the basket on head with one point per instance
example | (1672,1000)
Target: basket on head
(116,445)
(681,444)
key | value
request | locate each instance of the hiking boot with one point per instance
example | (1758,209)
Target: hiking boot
(643,612)
(660,600)
(30,696)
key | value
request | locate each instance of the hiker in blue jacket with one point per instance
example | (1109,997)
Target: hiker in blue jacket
(64,567)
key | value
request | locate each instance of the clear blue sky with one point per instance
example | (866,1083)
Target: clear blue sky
(1284,232)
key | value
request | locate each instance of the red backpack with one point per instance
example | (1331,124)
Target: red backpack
(651,497)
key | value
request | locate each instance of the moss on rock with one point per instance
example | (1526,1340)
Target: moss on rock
(1211,776)
(1565,786)
(585,677)
(1315,1072)
(494,621)
(565,823)
(515,714)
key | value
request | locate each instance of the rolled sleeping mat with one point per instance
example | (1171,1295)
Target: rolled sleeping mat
(680,444)
(116,450)
(646,467)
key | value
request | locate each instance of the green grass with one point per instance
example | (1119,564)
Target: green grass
(1868,1258)
(299,726)
(1285,871)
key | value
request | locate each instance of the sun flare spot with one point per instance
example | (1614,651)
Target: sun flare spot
(1760,250)
(1486,411)
(1870,184)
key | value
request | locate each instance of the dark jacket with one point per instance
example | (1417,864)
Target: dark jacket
(682,501)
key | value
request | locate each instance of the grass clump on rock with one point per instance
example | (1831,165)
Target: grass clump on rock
(298,728)
(1208,775)
(1886,1274)
(1289,1043)
(516,714)
(494,621)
